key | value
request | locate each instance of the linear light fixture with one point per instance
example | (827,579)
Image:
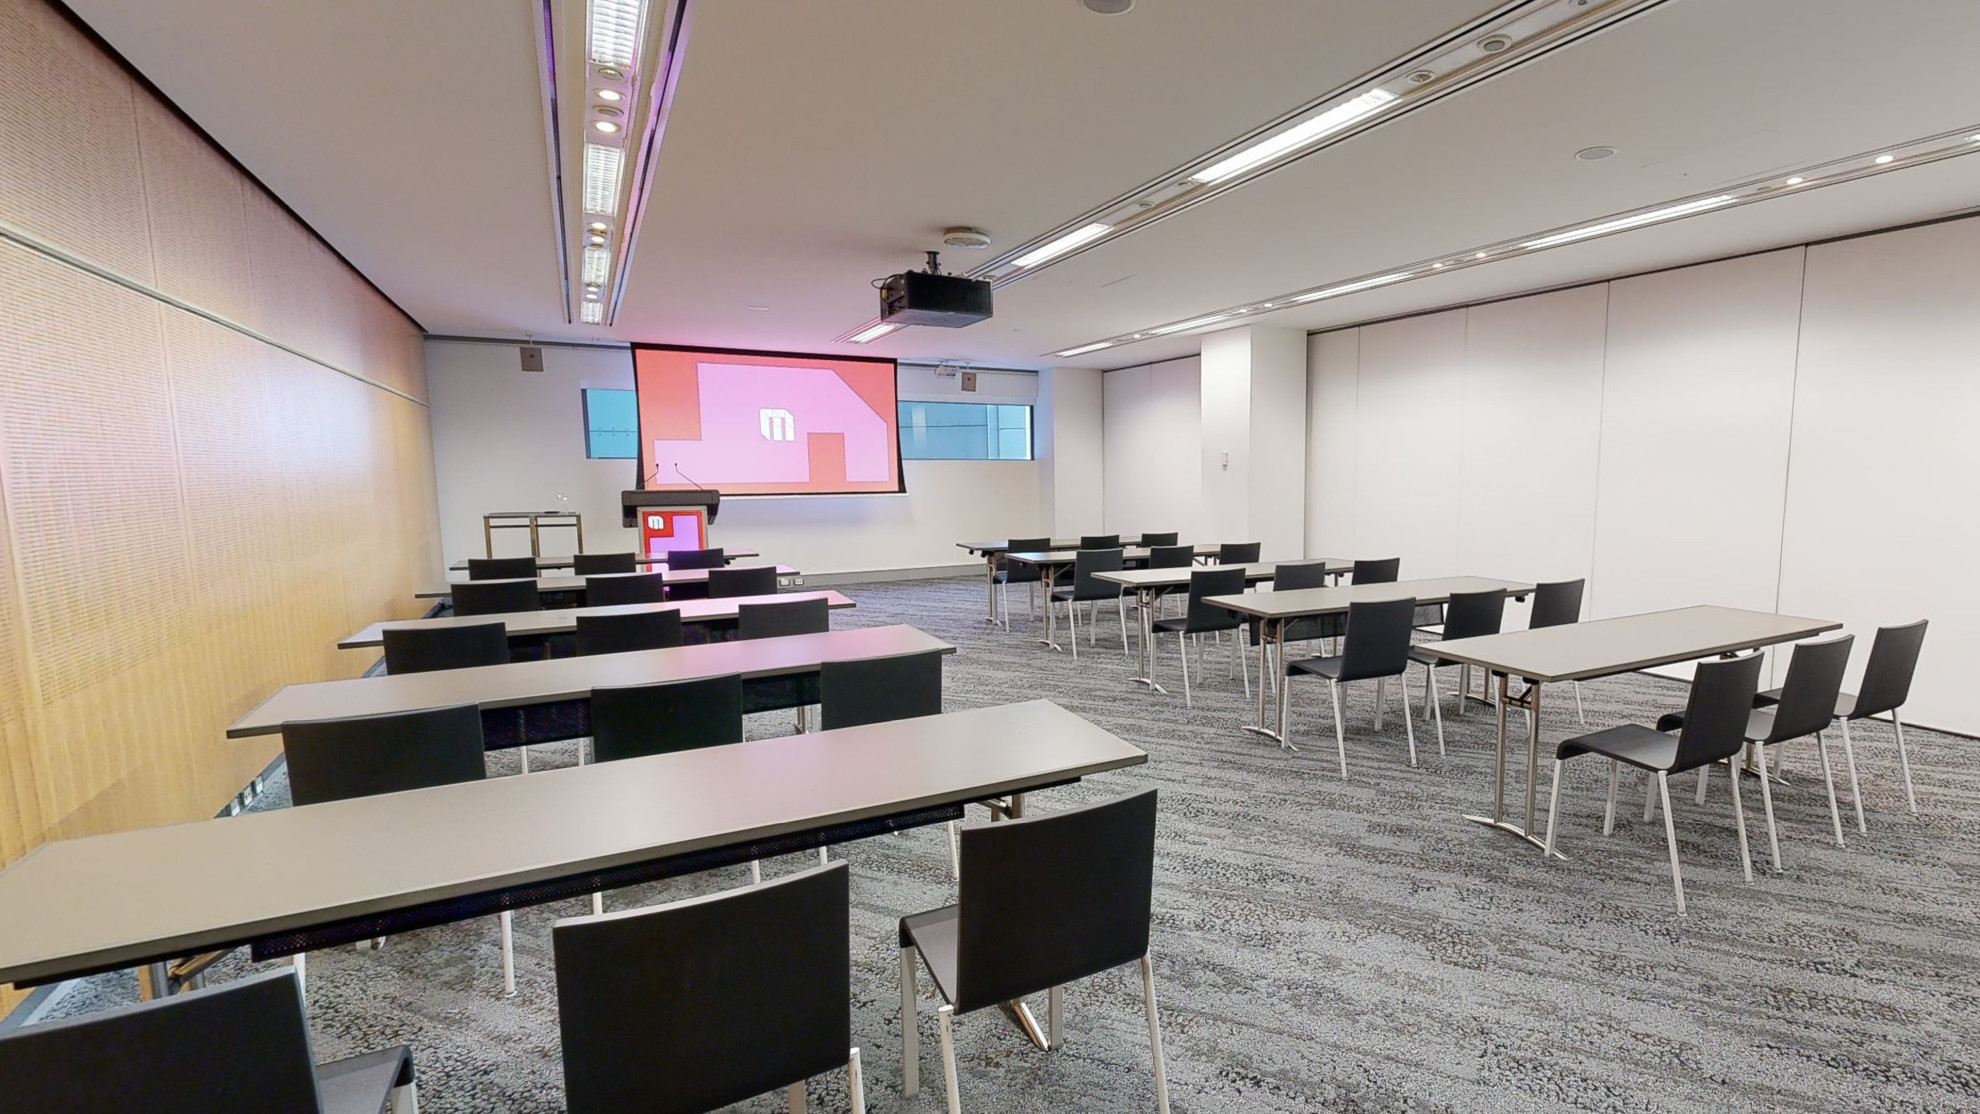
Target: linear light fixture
(592,312)
(597,266)
(1351,287)
(1063,244)
(601,177)
(1085,348)
(869,332)
(1312,131)
(1190,324)
(613,32)
(1668,212)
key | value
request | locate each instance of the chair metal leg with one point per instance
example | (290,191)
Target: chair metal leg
(945,1016)
(404,1100)
(1120,611)
(1650,800)
(755,873)
(1553,810)
(1904,762)
(856,1083)
(955,852)
(598,904)
(1579,717)
(525,758)
(1855,789)
(300,962)
(1340,732)
(1381,698)
(1766,803)
(1182,650)
(1436,703)
(1609,809)
(1072,621)
(1409,725)
(794,1098)
(1055,1009)
(508,954)
(1704,775)
(1155,1036)
(1829,779)
(910,1036)
(1671,837)
(1739,818)
(1244,666)
(823,858)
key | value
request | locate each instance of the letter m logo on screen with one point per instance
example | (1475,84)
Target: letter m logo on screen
(777,425)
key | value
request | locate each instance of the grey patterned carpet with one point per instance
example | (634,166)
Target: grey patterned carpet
(1345,946)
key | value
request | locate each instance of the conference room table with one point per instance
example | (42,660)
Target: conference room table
(1150,585)
(523,684)
(563,620)
(290,880)
(991,551)
(729,555)
(564,585)
(1604,648)
(1052,562)
(1275,610)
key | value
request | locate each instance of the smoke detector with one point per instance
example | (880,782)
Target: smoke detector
(1493,44)
(973,238)
(1107,7)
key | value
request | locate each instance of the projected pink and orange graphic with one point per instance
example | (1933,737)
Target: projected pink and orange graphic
(751,425)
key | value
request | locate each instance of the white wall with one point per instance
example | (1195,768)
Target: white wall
(1152,432)
(1071,462)
(1790,431)
(505,439)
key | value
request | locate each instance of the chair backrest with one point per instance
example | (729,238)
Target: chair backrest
(1171,556)
(1556,604)
(753,580)
(689,1007)
(1099,541)
(1472,614)
(363,756)
(1377,643)
(1239,553)
(1050,899)
(606,591)
(696,559)
(1017,572)
(632,721)
(637,630)
(775,620)
(237,1048)
(1153,540)
(1089,561)
(1715,717)
(424,649)
(1887,675)
(495,597)
(875,690)
(1377,570)
(597,564)
(1213,582)
(1291,576)
(1814,678)
(502,568)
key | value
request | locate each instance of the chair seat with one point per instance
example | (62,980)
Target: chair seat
(1427,655)
(1640,746)
(1845,702)
(1319,667)
(1759,724)
(1171,625)
(934,935)
(363,1084)
(1064,594)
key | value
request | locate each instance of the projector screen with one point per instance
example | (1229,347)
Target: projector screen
(756,423)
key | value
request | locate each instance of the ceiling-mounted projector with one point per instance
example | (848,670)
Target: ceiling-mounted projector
(933,298)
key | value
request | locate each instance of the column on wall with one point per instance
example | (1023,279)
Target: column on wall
(1067,435)
(1253,387)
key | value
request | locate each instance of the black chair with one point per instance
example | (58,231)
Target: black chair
(1043,901)
(1885,687)
(502,568)
(634,630)
(787,617)
(682,559)
(1239,553)
(1150,541)
(1557,604)
(689,1007)
(1171,556)
(633,721)
(1099,541)
(464,646)
(610,591)
(881,690)
(237,1048)
(1294,576)
(753,580)
(364,756)
(1806,706)
(1376,648)
(1715,720)
(1085,588)
(1468,615)
(1018,572)
(495,597)
(1202,618)
(1379,570)
(598,564)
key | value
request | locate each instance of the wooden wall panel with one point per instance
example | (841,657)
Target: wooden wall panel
(190,515)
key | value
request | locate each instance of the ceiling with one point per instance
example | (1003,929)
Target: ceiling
(816,147)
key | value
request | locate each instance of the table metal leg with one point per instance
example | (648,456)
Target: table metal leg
(1498,821)
(1145,599)
(1050,574)
(1271,634)
(990,586)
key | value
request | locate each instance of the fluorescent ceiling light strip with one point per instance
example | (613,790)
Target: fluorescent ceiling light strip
(614,32)
(597,266)
(1063,244)
(592,312)
(1085,348)
(1351,287)
(601,177)
(872,332)
(1292,139)
(1190,324)
(1669,212)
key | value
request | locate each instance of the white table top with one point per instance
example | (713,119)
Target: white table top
(543,682)
(560,620)
(1179,577)
(1327,601)
(736,553)
(1604,647)
(1068,556)
(576,583)
(111,901)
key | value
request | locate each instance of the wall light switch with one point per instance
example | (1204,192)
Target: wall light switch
(1227,462)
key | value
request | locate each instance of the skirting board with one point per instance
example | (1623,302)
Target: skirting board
(869,576)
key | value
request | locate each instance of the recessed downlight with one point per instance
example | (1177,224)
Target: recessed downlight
(1796,180)
(757,309)
(611,73)
(1595,154)
(599,226)
(594,240)
(608,110)
(606,126)
(1421,77)
(1882,160)
(1480,255)
(1107,7)
(1495,44)
(609,94)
